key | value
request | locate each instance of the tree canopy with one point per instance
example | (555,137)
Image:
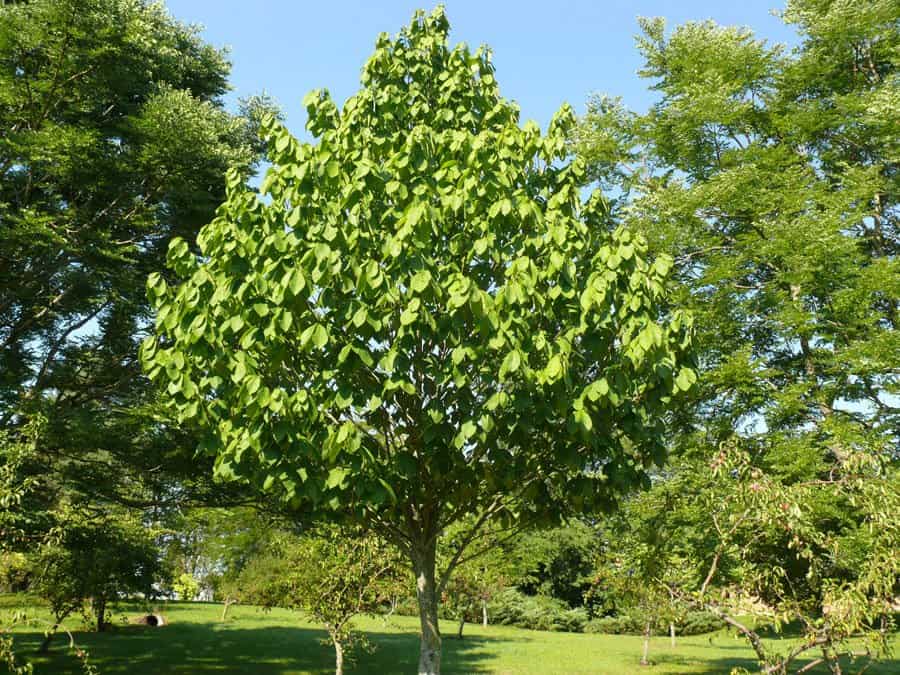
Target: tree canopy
(113,139)
(771,178)
(423,320)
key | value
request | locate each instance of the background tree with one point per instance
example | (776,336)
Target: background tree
(558,562)
(113,139)
(771,178)
(94,560)
(424,321)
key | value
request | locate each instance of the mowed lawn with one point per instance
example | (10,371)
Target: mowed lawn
(282,642)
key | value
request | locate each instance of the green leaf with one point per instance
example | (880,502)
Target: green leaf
(686,378)
(336,478)
(465,433)
(360,317)
(420,281)
(511,363)
(319,336)
(298,281)
(583,419)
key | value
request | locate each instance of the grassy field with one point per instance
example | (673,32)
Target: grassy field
(280,642)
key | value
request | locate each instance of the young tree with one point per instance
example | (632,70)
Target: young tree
(332,575)
(423,321)
(772,180)
(474,583)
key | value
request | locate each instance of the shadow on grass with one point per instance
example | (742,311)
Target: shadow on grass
(671,662)
(207,647)
(218,648)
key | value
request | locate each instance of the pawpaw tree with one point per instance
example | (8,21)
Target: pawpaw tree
(421,320)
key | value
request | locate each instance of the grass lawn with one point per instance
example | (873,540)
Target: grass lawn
(281,642)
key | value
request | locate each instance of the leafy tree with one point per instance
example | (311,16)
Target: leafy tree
(423,321)
(558,562)
(97,560)
(771,178)
(332,575)
(113,139)
(207,543)
(474,584)
(657,547)
(186,586)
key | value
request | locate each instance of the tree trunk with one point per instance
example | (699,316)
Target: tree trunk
(100,610)
(228,603)
(462,623)
(644,660)
(338,657)
(484,613)
(45,645)
(672,633)
(426,594)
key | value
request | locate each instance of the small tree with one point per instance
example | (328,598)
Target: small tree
(333,576)
(423,321)
(186,587)
(96,560)
(475,583)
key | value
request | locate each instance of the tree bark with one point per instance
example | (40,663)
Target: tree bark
(338,658)
(484,621)
(672,633)
(100,611)
(423,562)
(228,603)
(644,657)
(462,623)
(45,645)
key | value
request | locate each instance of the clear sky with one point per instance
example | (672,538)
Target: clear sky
(546,53)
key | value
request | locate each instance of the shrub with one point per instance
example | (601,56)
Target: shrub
(15,572)
(698,623)
(536,612)
(694,623)
(622,624)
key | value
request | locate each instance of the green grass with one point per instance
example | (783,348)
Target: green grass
(281,642)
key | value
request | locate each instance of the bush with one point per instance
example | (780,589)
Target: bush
(622,624)
(15,572)
(694,623)
(571,620)
(536,612)
(698,623)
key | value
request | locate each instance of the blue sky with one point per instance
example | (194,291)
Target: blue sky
(545,53)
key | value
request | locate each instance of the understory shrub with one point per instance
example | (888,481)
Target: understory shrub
(622,624)
(698,623)
(536,612)
(694,623)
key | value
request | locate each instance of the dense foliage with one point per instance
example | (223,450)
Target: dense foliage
(424,321)
(771,178)
(113,140)
(429,338)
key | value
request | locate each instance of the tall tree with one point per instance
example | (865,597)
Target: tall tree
(772,179)
(424,321)
(113,139)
